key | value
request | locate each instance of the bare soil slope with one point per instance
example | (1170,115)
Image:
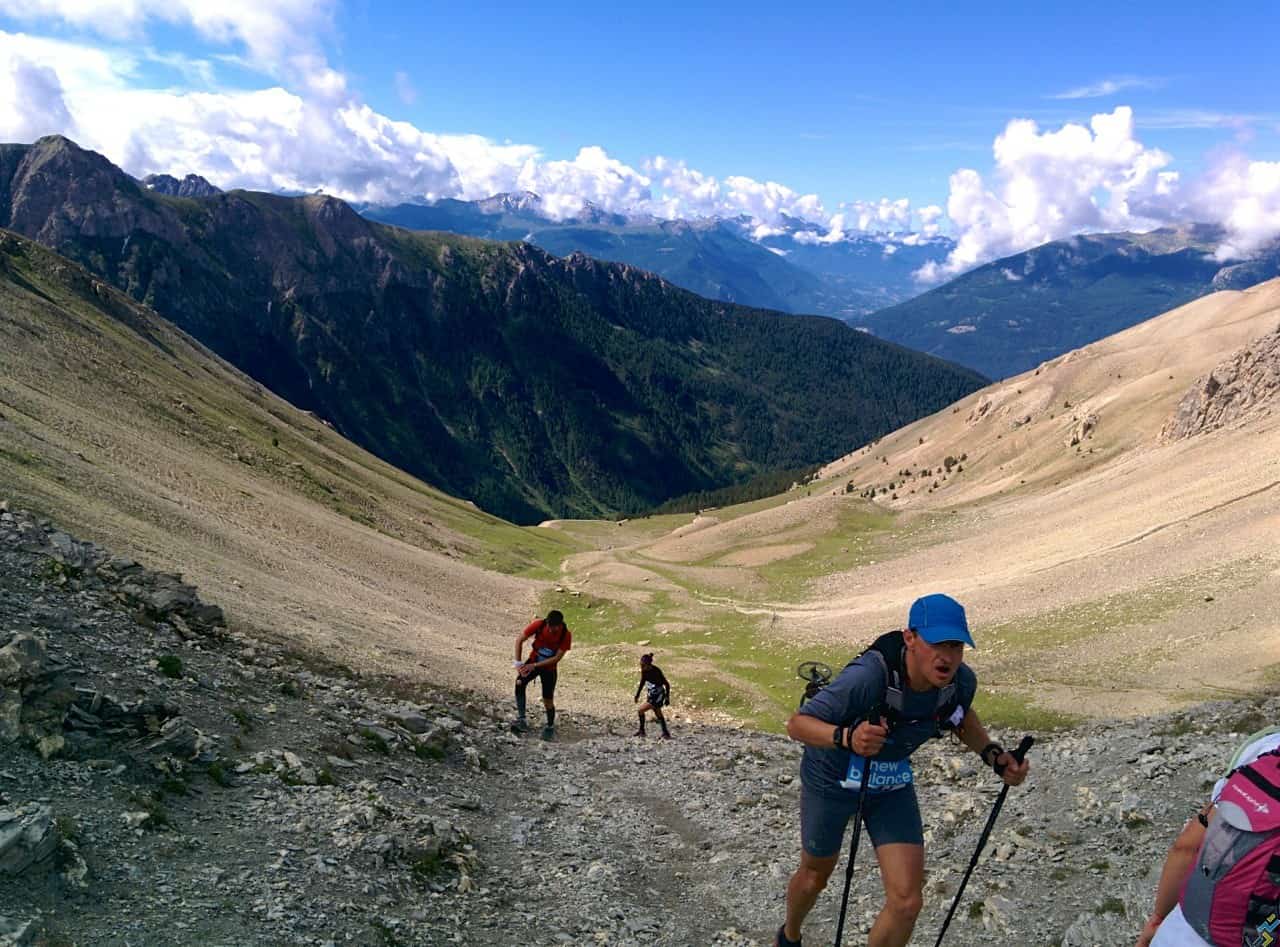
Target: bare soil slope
(1106,569)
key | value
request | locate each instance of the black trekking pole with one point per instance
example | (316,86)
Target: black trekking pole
(853,845)
(1018,754)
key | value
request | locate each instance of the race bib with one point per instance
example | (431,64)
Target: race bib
(885,775)
(544,653)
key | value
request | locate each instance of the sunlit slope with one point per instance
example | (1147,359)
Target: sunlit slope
(119,426)
(1150,564)
(1106,568)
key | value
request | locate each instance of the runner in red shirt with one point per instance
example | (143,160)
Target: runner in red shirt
(551,639)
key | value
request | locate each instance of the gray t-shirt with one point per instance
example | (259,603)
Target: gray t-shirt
(850,698)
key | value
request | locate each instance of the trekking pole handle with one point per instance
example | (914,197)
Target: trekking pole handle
(1020,752)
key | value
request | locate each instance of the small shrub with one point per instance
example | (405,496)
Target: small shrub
(428,865)
(68,827)
(218,773)
(241,717)
(290,689)
(1250,721)
(1111,906)
(170,665)
(154,807)
(1179,726)
(375,742)
(429,751)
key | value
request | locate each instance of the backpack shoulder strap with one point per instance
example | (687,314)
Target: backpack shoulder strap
(890,650)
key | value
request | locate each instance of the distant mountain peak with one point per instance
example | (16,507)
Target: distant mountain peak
(193,185)
(513,202)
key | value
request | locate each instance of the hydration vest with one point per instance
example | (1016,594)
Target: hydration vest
(1232,895)
(891,651)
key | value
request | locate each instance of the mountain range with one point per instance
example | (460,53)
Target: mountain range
(530,384)
(791,269)
(1008,316)
(999,319)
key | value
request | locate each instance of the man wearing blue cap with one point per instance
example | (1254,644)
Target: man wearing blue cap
(910,685)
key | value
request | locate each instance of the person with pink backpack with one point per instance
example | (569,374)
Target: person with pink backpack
(1220,886)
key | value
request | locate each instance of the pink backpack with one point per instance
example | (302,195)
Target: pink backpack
(1232,896)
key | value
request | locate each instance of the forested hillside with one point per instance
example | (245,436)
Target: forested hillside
(532,385)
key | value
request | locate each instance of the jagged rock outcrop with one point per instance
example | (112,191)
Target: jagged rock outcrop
(34,694)
(1244,386)
(160,595)
(1083,428)
(193,185)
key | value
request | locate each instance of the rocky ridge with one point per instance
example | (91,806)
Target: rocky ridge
(191,185)
(208,787)
(1245,385)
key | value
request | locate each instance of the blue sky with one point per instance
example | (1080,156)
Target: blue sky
(824,98)
(914,118)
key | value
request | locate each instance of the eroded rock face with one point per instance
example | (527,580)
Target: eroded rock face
(28,836)
(1244,386)
(34,694)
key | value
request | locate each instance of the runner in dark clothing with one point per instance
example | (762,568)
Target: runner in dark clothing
(658,696)
(551,639)
(921,670)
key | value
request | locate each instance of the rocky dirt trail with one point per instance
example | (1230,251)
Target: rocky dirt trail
(165,781)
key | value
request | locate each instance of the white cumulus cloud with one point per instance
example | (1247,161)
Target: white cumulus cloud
(1047,185)
(687,192)
(305,131)
(31,102)
(1050,184)
(1242,195)
(276,33)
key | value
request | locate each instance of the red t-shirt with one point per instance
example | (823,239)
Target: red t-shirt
(546,642)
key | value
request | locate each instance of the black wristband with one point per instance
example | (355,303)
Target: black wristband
(990,754)
(837,738)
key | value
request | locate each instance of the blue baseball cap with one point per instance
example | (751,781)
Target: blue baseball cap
(938,618)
